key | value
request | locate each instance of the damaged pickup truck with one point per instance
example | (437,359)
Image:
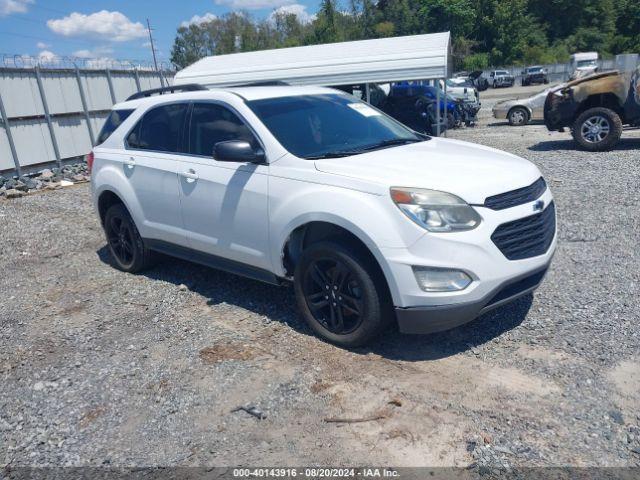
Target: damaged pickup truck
(595,108)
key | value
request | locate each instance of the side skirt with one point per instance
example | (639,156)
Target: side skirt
(212,261)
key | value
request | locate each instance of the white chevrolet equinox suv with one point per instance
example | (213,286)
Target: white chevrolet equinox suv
(371,221)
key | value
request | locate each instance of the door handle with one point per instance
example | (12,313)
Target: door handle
(131,162)
(190,175)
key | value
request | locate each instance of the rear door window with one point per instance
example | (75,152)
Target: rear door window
(114,120)
(160,129)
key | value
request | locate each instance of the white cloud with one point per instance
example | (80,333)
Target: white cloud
(98,52)
(47,56)
(7,7)
(296,9)
(253,4)
(199,20)
(43,46)
(112,26)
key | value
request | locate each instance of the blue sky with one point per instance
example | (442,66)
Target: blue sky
(114,28)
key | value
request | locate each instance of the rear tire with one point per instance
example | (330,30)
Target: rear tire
(125,243)
(518,117)
(340,294)
(597,129)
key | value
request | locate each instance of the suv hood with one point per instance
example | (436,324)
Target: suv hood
(472,172)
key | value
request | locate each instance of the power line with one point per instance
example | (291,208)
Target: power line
(153,50)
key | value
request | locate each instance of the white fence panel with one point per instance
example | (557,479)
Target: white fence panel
(96,88)
(72,126)
(33,142)
(20,93)
(6,162)
(61,92)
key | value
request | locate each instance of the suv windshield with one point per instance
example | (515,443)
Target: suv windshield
(534,69)
(329,125)
(502,72)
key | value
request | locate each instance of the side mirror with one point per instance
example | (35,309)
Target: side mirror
(237,151)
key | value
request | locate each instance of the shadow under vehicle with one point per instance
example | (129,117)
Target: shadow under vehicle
(595,108)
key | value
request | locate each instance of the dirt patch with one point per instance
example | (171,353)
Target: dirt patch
(516,381)
(91,415)
(224,352)
(626,379)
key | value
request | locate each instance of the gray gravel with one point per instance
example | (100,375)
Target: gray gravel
(99,367)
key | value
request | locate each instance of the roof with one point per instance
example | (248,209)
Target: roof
(247,93)
(416,57)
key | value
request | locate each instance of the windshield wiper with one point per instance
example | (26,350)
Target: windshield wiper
(389,143)
(366,148)
(336,154)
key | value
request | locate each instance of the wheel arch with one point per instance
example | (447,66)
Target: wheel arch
(109,187)
(309,231)
(605,100)
(106,199)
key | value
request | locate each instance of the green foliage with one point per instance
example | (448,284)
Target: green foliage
(484,32)
(475,61)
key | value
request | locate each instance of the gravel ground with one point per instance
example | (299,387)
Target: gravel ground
(101,368)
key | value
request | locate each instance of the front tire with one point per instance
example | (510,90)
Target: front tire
(597,129)
(518,117)
(125,244)
(340,293)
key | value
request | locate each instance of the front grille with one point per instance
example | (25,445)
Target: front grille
(526,237)
(516,197)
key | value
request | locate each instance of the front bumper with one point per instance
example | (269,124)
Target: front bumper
(473,252)
(437,318)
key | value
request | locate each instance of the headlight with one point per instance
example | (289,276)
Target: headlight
(435,211)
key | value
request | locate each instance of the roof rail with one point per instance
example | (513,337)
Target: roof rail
(190,87)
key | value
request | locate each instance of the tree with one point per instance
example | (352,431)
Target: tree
(325,25)
(456,16)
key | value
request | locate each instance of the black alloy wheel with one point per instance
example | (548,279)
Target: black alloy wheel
(333,295)
(125,244)
(120,238)
(342,293)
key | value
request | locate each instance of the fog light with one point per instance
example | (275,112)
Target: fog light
(431,279)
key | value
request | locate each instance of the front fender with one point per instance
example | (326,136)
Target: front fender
(372,218)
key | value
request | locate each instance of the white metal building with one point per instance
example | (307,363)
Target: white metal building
(416,57)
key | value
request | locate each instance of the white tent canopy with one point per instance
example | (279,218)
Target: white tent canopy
(380,60)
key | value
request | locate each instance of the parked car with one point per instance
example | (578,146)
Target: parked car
(415,111)
(371,222)
(595,108)
(474,79)
(521,111)
(501,78)
(468,94)
(531,75)
(454,110)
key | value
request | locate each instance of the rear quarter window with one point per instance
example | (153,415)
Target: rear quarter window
(114,120)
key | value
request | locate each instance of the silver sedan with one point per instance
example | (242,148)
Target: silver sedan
(522,110)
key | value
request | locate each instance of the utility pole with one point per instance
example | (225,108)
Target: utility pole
(153,50)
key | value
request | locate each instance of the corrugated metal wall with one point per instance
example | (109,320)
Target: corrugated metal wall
(47,117)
